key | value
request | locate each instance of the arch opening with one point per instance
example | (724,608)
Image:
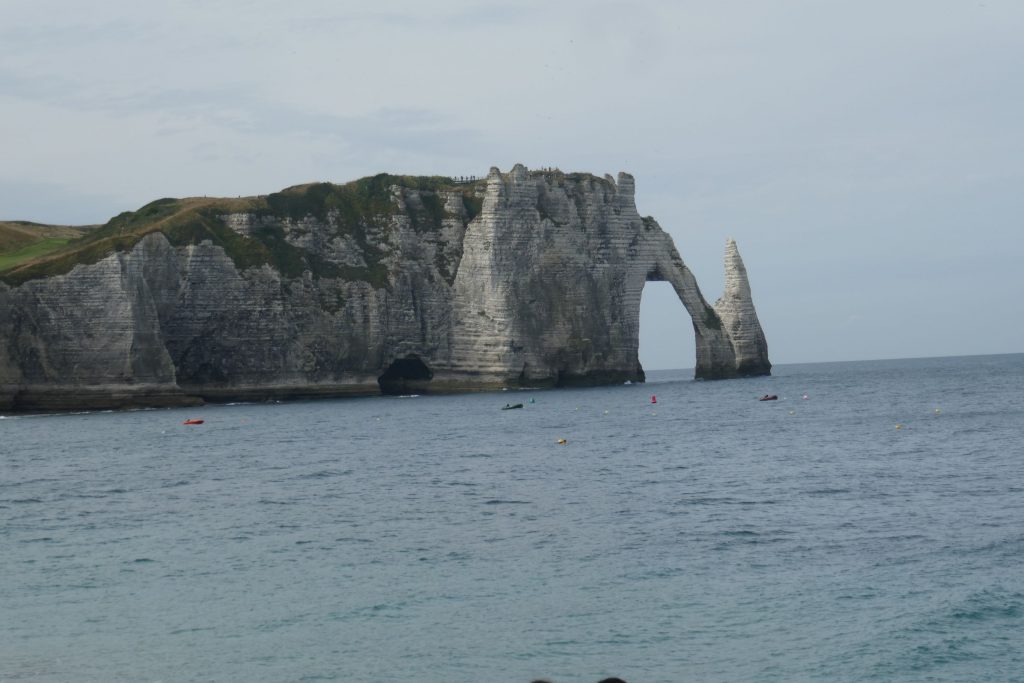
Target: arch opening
(405,376)
(667,340)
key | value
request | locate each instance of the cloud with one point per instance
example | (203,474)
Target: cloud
(53,203)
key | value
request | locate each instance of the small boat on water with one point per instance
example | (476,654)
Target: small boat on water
(769,397)
(193,422)
(512,406)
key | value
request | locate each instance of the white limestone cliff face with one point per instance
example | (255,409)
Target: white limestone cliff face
(86,339)
(739,319)
(541,288)
(550,282)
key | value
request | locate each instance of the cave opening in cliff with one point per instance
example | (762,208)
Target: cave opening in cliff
(405,376)
(667,341)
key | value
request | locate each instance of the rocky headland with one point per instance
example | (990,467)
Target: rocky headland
(392,284)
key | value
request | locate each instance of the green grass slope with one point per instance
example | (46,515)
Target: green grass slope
(22,241)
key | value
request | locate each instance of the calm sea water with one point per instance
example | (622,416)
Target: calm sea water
(708,537)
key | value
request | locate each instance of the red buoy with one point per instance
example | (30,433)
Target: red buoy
(654,399)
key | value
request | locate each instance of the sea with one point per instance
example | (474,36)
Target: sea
(866,526)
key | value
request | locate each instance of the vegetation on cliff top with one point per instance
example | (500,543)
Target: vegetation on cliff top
(22,241)
(359,209)
(361,203)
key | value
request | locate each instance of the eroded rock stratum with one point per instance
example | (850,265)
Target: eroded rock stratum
(391,283)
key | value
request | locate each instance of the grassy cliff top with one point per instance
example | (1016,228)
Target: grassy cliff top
(22,241)
(354,207)
(17,234)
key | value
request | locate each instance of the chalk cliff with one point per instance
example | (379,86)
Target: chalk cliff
(391,284)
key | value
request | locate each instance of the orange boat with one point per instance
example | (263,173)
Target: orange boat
(192,422)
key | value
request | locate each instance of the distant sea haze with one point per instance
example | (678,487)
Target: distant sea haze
(867,525)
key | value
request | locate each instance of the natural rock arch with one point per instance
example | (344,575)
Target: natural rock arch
(550,281)
(728,336)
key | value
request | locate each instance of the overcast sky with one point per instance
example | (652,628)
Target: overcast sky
(868,157)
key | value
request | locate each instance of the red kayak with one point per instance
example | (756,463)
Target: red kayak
(192,422)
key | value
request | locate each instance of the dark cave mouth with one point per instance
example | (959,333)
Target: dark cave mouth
(404,376)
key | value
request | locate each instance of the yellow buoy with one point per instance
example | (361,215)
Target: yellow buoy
(562,442)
